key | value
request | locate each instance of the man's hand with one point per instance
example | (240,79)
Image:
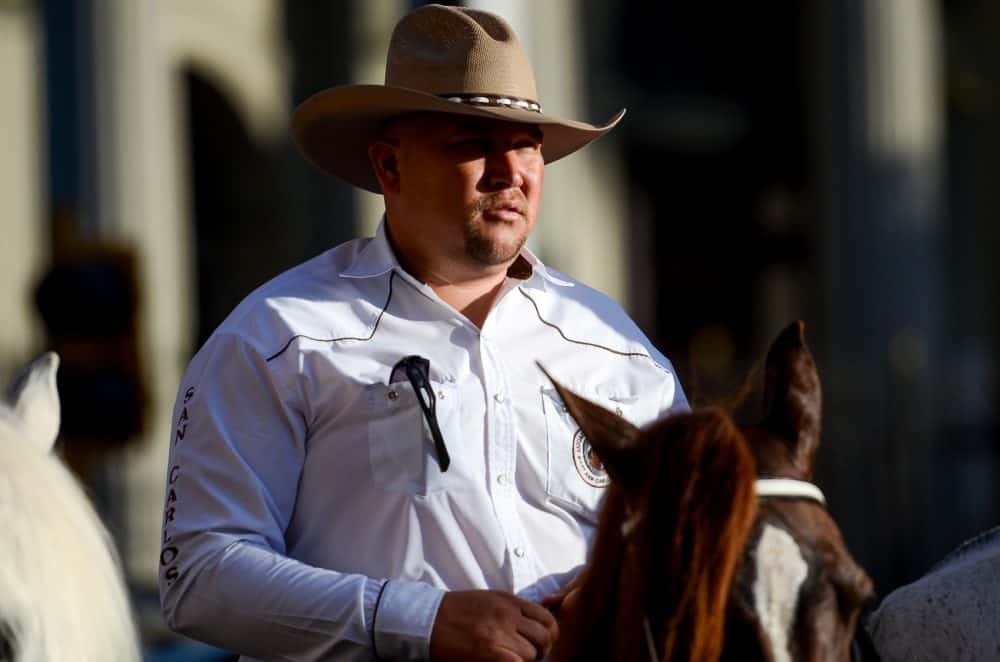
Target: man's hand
(564,600)
(491,625)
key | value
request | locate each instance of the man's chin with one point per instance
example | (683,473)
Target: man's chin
(494,243)
(489,253)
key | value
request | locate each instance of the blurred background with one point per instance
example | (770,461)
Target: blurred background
(824,160)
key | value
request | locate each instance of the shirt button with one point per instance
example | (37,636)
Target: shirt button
(392,395)
(519,552)
(499,397)
(502,479)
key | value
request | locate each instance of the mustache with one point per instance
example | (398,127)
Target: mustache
(514,201)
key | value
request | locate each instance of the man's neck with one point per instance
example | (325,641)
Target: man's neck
(470,289)
(474,298)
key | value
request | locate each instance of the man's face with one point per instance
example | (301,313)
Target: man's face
(469,190)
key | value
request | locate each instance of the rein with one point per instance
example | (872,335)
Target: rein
(767,488)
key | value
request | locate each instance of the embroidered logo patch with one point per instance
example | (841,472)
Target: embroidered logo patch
(588,465)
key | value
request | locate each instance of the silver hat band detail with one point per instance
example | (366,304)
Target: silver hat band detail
(487,100)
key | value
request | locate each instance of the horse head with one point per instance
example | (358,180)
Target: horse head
(671,533)
(799,592)
(688,562)
(62,596)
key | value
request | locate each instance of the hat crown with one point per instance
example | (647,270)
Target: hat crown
(453,50)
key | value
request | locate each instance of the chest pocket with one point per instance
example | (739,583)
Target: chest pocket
(400,446)
(575,477)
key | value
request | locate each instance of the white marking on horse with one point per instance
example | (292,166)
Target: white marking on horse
(780,573)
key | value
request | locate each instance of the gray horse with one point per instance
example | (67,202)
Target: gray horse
(949,614)
(62,595)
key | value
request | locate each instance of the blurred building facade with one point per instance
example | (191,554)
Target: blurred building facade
(824,161)
(22,180)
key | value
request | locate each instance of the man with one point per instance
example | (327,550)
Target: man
(367,461)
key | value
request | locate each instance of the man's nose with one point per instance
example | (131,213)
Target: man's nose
(503,170)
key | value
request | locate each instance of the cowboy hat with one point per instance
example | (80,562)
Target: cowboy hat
(440,59)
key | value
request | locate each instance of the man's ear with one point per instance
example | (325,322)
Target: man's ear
(382,154)
(611,436)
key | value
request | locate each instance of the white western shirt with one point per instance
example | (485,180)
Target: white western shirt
(301,477)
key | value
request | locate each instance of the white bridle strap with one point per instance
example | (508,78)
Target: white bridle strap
(789,488)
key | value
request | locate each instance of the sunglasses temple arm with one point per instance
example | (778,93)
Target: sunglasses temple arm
(443,458)
(422,387)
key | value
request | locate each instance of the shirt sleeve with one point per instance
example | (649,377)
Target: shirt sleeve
(672,397)
(236,455)
(676,401)
(549,584)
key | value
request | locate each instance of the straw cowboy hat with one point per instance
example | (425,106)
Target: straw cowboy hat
(441,59)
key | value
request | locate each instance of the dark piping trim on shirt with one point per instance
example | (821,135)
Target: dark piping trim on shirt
(392,277)
(580,342)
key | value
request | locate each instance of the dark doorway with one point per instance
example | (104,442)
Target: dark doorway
(238,244)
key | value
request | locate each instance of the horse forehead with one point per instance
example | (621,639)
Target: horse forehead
(809,522)
(780,570)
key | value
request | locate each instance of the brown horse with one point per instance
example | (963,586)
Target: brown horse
(712,543)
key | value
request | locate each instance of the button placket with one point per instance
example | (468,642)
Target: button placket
(503,453)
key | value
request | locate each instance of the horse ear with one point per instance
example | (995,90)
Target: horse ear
(793,396)
(611,436)
(35,401)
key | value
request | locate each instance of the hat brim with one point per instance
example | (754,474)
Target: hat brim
(334,128)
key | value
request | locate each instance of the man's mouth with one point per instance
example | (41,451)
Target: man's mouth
(506,214)
(507,210)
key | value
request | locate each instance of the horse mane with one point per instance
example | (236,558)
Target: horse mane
(693,510)
(62,596)
(707,470)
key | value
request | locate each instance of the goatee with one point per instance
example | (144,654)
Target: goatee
(483,248)
(489,251)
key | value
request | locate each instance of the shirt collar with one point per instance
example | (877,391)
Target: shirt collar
(377,258)
(539,274)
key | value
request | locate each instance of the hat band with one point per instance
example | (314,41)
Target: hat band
(490,100)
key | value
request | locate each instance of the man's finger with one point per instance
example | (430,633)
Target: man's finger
(506,655)
(538,613)
(537,634)
(554,603)
(555,599)
(541,617)
(522,647)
